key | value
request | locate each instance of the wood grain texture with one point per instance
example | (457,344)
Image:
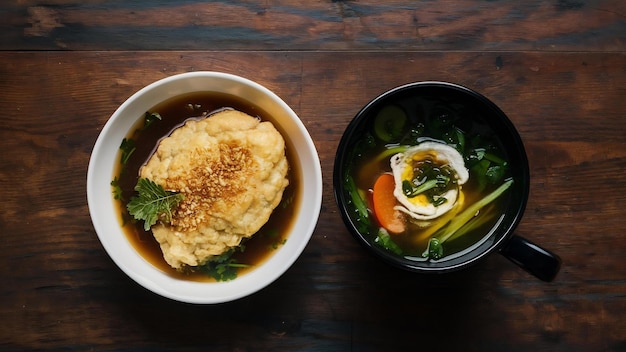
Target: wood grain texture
(61,291)
(563,25)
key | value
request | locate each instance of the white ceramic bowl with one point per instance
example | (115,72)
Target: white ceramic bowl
(103,210)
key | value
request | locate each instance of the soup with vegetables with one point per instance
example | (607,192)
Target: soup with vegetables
(428,178)
(201,195)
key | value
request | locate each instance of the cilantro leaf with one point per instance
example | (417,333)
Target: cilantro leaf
(152,202)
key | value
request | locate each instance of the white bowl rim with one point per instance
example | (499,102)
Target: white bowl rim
(144,273)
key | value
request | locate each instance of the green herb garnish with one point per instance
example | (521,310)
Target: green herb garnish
(127,147)
(149,118)
(412,191)
(431,180)
(286,202)
(152,202)
(117,189)
(223,267)
(277,244)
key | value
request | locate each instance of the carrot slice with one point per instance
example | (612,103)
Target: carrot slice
(384,202)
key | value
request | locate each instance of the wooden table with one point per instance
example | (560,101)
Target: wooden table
(557,68)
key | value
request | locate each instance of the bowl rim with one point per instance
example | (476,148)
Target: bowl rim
(500,236)
(144,273)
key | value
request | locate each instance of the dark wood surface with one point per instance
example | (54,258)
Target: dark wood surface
(557,68)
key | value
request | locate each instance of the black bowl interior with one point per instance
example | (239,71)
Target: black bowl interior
(419,100)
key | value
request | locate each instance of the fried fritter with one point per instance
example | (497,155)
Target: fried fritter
(232,170)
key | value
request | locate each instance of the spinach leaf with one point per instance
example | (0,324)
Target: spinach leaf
(434,250)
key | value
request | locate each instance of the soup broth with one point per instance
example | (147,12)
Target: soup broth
(429,119)
(174,113)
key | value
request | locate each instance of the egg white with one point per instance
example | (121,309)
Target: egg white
(419,207)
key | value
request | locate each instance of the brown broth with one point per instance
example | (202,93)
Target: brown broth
(174,113)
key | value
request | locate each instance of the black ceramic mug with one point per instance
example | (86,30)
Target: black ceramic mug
(423,105)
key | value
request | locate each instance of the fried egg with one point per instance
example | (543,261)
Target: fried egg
(436,156)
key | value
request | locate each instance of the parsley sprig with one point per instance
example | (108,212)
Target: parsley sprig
(152,202)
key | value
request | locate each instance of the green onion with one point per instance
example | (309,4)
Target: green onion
(434,249)
(469,213)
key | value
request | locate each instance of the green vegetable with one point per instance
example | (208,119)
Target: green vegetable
(494,158)
(274,235)
(430,179)
(465,216)
(479,170)
(434,250)
(117,190)
(415,135)
(411,191)
(485,215)
(389,123)
(495,173)
(360,207)
(277,244)
(387,153)
(286,202)
(460,140)
(363,145)
(152,203)
(223,267)
(384,240)
(440,182)
(149,118)
(456,138)
(127,147)
(487,167)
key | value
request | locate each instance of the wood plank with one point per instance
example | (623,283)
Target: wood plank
(595,25)
(61,291)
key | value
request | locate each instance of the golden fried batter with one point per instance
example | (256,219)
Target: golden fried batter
(232,170)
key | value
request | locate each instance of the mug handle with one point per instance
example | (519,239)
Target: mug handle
(537,261)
